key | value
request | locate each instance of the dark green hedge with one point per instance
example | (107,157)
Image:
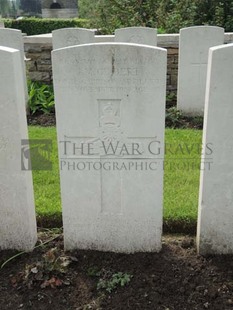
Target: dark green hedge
(34,26)
(167,15)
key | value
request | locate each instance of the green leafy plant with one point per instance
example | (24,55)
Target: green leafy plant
(173,117)
(175,14)
(108,280)
(111,283)
(171,99)
(40,98)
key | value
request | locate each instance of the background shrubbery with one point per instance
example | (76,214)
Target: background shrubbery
(107,15)
(167,15)
(33,26)
(175,14)
(113,14)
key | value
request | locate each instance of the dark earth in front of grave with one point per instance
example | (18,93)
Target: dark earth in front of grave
(42,119)
(170,226)
(177,278)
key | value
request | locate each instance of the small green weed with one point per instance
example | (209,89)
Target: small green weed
(173,118)
(117,279)
(171,99)
(40,98)
(108,280)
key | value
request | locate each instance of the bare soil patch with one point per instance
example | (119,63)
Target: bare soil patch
(176,278)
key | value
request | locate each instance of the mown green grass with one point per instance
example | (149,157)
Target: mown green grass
(181,180)
(47,183)
(181,177)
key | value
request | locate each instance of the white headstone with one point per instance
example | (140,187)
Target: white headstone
(17,212)
(2,25)
(215,221)
(138,35)
(72,36)
(193,56)
(111,95)
(104,38)
(13,38)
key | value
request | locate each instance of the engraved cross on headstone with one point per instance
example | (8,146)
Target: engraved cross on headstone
(201,65)
(110,133)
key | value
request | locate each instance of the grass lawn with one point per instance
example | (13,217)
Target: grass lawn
(181,180)
(47,183)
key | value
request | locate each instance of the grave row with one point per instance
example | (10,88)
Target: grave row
(110,110)
(193,55)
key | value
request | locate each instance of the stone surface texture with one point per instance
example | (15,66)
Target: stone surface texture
(138,35)
(215,218)
(193,56)
(111,93)
(13,38)
(17,210)
(72,36)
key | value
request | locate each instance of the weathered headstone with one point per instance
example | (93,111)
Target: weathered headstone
(2,25)
(72,36)
(17,212)
(110,105)
(215,221)
(193,56)
(138,35)
(13,38)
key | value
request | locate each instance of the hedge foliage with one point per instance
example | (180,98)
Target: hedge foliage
(166,15)
(107,15)
(34,26)
(113,14)
(175,14)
